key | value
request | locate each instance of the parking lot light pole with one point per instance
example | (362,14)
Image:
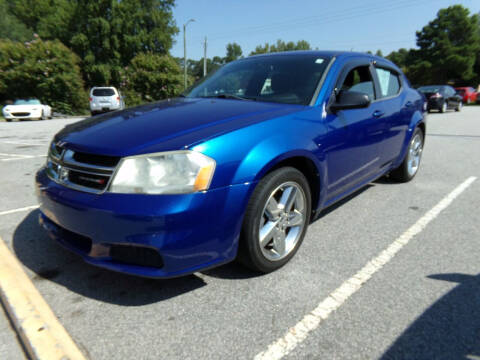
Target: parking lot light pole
(185,53)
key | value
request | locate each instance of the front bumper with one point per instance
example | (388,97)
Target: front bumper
(190,232)
(37,114)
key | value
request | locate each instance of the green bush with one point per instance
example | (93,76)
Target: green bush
(151,77)
(46,70)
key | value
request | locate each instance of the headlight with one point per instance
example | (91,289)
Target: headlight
(176,172)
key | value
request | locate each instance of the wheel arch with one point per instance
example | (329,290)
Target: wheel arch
(304,162)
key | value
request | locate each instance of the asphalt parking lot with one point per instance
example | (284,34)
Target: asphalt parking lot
(424,302)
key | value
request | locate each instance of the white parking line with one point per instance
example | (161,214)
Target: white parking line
(18,210)
(311,321)
(12,157)
(24,143)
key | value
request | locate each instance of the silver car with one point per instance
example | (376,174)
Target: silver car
(104,99)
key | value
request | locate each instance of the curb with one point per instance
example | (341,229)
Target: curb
(38,328)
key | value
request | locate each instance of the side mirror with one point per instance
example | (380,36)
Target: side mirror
(350,100)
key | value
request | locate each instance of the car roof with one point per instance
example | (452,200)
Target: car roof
(330,54)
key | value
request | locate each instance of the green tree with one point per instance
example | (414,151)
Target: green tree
(50,19)
(105,34)
(234,52)
(151,77)
(448,47)
(46,70)
(281,45)
(399,57)
(196,67)
(379,53)
(11,27)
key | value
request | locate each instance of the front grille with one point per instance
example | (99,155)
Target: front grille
(21,114)
(81,171)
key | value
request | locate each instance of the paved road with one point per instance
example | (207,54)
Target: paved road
(424,303)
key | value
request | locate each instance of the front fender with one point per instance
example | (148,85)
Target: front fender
(271,151)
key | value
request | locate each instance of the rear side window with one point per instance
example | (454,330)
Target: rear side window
(389,82)
(103,92)
(360,80)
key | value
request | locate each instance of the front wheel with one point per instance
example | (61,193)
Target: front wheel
(43,116)
(444,107)
(410,165)
(459,106)
(276,220)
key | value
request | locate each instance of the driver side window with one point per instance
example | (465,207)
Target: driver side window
(359,79)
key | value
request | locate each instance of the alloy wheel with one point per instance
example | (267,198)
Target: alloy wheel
(282,221)
(415,154)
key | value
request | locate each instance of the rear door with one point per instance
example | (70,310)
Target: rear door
(353,135)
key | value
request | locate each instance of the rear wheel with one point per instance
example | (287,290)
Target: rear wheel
(276,220)
(8,120)
(410,165)
(43,116)
(459,106)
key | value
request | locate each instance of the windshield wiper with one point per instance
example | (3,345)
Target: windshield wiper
(231,96)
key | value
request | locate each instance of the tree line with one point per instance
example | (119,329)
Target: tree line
(56,49)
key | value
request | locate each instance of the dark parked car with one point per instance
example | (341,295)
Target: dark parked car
(441,98)
(237,167)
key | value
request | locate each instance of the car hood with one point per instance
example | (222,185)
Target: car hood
(166,125)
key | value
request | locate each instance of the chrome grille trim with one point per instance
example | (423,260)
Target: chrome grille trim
(61,163)
(69,160)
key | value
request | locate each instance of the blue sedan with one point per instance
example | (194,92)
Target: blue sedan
(236,168)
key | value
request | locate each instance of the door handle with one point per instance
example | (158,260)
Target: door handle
(378,113)
(408,104)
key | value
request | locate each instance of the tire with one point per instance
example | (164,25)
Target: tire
(93,113)
(284,187)
(43,116)
(407,170)
(444,107)
(8,120)
(469,101)
(459,107)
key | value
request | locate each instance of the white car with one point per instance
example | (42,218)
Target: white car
(104,99)
(27,109)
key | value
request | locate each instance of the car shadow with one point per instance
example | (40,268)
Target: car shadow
(51,262)
(232,271)
(449,329)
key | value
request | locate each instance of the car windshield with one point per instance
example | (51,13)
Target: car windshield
(27,102)
(103,92)
(289,79)
(429,89)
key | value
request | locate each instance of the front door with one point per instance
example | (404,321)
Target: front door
(354,135)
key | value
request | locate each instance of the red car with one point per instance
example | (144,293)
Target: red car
(468,94)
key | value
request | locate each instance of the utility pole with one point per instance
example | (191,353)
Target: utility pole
(185,53)
(205,57)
